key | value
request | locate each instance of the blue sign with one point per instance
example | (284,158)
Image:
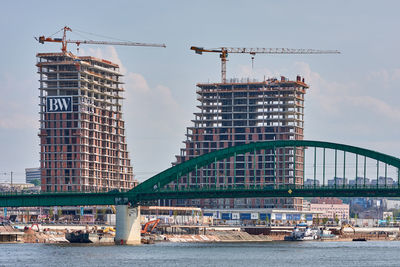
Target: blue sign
(5,212)
(226,216)
(59,104)
(309,217)
(263,216)
(289,217)
(278,216)
(245,216)
(296,217)
(82,211)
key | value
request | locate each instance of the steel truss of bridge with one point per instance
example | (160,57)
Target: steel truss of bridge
(158,187)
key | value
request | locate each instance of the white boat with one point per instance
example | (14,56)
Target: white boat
(307,234)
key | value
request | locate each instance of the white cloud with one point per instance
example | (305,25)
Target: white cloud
(137,82)
(360,112)
(107,53)
(155,121)
(385,76)
(153,109)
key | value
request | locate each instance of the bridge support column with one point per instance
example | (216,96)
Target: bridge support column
(128,225)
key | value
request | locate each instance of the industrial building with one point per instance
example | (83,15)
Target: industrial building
(239,112)
(82,133)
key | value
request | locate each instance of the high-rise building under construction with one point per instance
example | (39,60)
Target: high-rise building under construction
(235,113)
(82,133)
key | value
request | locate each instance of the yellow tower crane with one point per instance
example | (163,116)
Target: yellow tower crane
(224,51)
(64,41)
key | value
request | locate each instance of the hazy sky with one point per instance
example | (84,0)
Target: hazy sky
(353,97)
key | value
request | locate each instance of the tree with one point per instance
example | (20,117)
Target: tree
(325,220)
(51,213)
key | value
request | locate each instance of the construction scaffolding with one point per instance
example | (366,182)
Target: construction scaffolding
(82,133)
(239,112)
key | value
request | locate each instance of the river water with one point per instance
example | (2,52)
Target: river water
(371,253)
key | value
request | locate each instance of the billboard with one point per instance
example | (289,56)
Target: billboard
(226,216)
(59,104)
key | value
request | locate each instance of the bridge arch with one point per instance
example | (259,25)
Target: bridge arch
(169,175)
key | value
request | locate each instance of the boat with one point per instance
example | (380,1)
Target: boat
(307,234)
(87,237)
(359,239)
(327,235)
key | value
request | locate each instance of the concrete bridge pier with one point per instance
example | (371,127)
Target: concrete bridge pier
(127,225)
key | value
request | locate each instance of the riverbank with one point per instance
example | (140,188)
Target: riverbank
(219,236)
(56,234)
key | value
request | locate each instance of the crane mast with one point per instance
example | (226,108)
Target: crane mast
(224,51)
(64,41)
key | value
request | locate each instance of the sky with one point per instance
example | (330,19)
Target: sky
(352,99)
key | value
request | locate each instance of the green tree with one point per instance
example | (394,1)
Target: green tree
(51,213)
(324,220)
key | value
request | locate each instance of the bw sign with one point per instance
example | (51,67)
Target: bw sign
(59,104)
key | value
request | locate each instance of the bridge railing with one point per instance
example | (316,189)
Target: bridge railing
(278,187)
(22,193)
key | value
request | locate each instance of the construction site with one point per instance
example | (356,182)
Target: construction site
(83,143)
(235,112)
(82,133)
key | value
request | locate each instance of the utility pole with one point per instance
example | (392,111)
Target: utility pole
(11,181)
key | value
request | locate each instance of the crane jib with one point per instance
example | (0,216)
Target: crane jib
(64,41)
(253,51)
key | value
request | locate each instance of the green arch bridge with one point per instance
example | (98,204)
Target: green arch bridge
(166,184)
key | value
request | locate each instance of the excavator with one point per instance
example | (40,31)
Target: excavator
(341,231)
(146,226)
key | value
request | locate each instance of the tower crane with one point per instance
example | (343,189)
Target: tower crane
(224,51)
(64,41)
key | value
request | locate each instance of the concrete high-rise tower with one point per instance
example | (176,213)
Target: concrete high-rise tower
(240,112)
(82,133)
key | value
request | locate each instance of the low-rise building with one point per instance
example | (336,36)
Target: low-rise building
(260,216)
(331,208)
(32,176)
(311,182)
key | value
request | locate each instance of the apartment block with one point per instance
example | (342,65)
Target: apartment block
(241,112)
(82,133)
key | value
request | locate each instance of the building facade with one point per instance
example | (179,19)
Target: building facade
(330,208)
(32,175)
(82,133)
(236,113)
